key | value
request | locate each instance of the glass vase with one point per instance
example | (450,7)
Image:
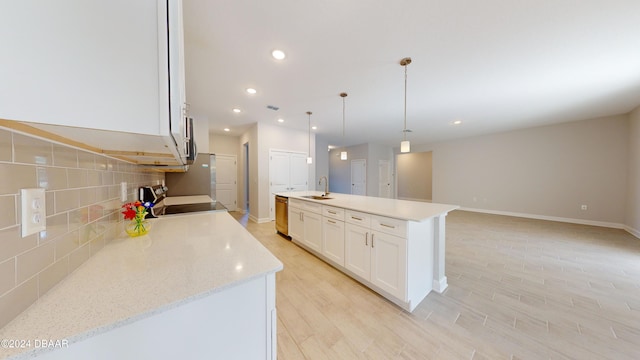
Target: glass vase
(137,227)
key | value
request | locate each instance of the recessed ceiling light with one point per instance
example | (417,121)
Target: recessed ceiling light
(280,120)
(236,110)
(227,129)
(278,54)
(457,122)
(314,128)
(251,91)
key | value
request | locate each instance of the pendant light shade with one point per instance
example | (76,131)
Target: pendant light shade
(343,153)
(309,158)
(405,145)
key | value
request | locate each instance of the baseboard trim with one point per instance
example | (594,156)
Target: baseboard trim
(632,231)
(263,220)
(549,218)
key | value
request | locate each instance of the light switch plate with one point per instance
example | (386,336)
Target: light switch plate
(34,217)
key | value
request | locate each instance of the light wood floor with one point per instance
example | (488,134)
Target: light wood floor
(518,289)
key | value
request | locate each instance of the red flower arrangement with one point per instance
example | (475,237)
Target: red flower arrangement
(136,211)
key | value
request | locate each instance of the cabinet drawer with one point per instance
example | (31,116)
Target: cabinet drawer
(312,207)
(333,212)
(389,225)
(296,203)
(356,217)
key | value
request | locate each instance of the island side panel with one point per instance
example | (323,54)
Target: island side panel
(439,278)
(229,324)
(420,261)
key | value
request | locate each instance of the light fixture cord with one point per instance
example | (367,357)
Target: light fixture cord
(404,132)
(343,120)
(309,113)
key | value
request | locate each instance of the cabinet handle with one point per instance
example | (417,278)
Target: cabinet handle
(372,240)
(356,218)
(366,239)
(389,226)
(331,212)
(331,221)
(301,216)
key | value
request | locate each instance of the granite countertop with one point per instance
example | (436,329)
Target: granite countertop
(398,209)
(183,258)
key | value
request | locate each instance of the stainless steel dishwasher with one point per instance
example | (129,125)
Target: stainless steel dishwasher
(282,215)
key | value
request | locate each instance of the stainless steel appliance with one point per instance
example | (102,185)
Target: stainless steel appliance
(164,206)
(282,215)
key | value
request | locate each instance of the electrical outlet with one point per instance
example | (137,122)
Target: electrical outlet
(583,207)
(33,217)
(123,191)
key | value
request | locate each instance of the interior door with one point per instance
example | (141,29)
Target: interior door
(226,180)
(384,178)
(298,172)
(359,177)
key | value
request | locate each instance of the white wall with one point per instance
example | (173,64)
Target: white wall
(250,137)
(633,190)
(414,174)
(340,170)
(549,170)
(224,144)
(376,152)
(321,163)
(277,138)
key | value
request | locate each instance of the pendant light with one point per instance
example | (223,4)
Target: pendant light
(343,153)
(309,158)
(405,145)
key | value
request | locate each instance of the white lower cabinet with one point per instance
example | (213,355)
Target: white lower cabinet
(333,240)
(369,247)
(305,223)
(296,226)
(389,263)
(357,252)
(312,230)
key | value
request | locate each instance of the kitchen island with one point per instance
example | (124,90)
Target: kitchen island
(395,247)
(197,286)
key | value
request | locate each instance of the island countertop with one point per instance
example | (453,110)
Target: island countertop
(182,259)
(394,208)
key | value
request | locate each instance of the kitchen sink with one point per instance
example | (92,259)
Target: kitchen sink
(316,197)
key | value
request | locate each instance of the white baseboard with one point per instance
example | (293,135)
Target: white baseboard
(632,231)
(549,218)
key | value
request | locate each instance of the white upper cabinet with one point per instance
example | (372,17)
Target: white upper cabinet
(113,65)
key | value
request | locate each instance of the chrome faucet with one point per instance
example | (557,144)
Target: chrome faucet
(326,185)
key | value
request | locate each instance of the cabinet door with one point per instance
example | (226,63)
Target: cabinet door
(389,263)
(333,240)
(296,226)
(89,64)
(312,230)
(357,252)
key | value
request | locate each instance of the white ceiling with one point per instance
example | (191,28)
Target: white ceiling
(496,64)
